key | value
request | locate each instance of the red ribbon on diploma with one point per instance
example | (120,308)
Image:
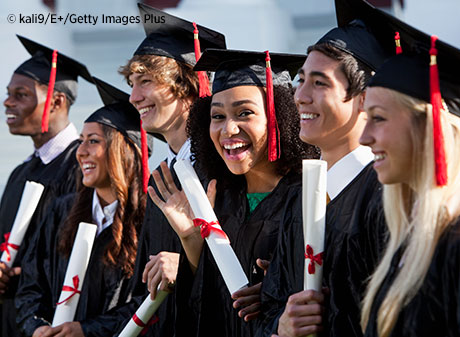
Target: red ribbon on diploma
(74,289)
(207,227)
(5,246)
(146,326)
(318,258)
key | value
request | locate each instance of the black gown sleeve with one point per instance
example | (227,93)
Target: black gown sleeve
(34,298)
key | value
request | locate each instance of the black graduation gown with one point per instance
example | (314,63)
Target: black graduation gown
(355,232)
(204,302)
(58,177)
(43,274)
(435,309)
(156,235)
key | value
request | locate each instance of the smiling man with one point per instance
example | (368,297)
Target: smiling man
(53,162)
(164,86)
(330,99)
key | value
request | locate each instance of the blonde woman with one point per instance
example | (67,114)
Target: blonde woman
(415,291)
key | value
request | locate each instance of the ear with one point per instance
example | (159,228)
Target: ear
(362,97)
(59,102)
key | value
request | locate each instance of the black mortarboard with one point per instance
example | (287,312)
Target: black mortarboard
(235,68)
(173,37)
(410,74)
(121,115)
(356,40)
(38,67)
(382,25)
(239,67)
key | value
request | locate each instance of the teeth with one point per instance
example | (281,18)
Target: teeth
(234,146)
(10,116)
(379,156)
(143,110)
(88,166)
(308,116)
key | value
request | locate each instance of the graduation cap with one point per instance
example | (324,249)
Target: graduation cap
(235,68)
(120,114)
(57,72)
(386,28)
(171,36)
(428,76)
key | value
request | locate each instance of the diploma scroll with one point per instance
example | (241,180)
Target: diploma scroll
(223,254)
(75,274)
(13,240)
(314,179)
(142,318)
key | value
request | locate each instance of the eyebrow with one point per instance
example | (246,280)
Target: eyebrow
(319,74)
(91,134)
(374,107)
(234,104)
(18,88)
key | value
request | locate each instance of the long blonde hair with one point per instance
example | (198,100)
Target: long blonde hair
(416,214)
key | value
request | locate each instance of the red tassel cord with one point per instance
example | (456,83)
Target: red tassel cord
(145,160)
(274,150)
(398,43)
(202,77)
(49,95)
(436,102)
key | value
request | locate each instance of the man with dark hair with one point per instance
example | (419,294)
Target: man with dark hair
(330,100)
(53,162)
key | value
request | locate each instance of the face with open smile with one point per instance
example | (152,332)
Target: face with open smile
(24,105)
(161,112)
(238,128)
(388,133)
(92,157)
(326,119)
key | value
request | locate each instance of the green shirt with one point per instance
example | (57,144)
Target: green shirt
(254,199)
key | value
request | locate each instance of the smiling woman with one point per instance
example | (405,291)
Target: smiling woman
(111,197)
(416,141)
(230,135)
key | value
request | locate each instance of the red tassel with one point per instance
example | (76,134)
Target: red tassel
(49,95)
(398,43)
(202,77)
(145,160)
(274,150)
(436,102)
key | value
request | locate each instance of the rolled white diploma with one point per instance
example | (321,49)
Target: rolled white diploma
(141,319)
(314,181)
(75,274)
(223,254)
(29,201)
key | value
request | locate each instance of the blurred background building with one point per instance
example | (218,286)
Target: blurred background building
(277,25)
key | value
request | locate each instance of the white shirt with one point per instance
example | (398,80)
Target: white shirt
(183,154)
(103,216)
(346,169)
(56,145)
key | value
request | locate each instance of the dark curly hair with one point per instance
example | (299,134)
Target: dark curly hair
(208,160)
(125,172)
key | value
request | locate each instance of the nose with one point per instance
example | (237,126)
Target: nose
(367,137)
(8,103)
(136,95)
(81,150)
(302,94)
(230,127)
